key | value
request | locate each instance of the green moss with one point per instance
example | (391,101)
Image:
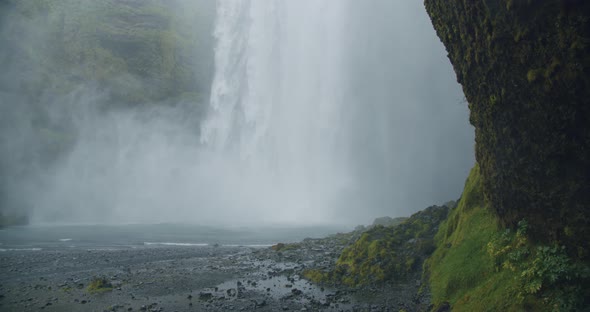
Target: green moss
(99,285)
(478,266)
(533,75)
(315,276)
(531,142)
(384,254)
(545,272)
(460,270)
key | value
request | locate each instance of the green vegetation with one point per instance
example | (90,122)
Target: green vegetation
(99,285)
(524,70)
(477,266)
(545,272)
(383,254)
(460,270)
(519,237)
(316,276)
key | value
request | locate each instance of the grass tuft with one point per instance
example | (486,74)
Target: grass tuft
(99,285)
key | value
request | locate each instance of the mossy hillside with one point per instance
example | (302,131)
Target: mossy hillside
(525,71)
(138,51)
(460,271)
(479,266)
(384,254)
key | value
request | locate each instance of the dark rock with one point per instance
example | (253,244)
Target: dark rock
(444,307)
(528,101)
(205,296)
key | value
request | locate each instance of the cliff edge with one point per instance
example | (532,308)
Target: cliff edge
(525,70)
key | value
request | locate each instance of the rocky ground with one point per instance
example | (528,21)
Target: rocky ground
(196,278)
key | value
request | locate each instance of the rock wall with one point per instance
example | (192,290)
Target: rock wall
(525,70)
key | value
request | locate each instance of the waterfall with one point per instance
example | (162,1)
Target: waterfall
(320,111)
(275,107)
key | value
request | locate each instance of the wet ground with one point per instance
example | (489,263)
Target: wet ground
(187,278)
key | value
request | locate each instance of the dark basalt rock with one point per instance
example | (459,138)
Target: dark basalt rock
(525,71)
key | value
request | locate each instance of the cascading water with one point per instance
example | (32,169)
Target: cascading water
(320,112)
(275,109)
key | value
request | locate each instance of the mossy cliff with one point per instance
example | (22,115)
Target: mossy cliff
(392,253)
(525,70)
(479,265)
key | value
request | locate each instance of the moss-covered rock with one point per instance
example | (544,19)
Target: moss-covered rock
(480,266)
(384,254)
(99,285)
(525,70)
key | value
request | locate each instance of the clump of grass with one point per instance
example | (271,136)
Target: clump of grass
(99,285)
(385,253)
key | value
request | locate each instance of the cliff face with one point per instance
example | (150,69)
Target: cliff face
(525,70)
(139,51)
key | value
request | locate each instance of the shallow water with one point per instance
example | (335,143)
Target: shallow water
(35,238)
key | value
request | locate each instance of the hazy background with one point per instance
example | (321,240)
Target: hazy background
(219,113)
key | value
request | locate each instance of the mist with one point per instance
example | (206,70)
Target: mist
(284,112)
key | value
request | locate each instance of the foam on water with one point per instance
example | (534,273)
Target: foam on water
(175,244)
(20,249)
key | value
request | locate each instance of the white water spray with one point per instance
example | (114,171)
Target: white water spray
(276,102)
(320,112)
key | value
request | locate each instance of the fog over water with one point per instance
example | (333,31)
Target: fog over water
(319,112)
